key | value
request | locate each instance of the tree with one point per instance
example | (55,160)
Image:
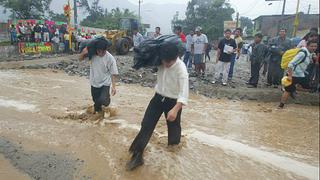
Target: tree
(209,14)
(57,17)
(26,9)
(100,18)
(246,22)
(247,25)
(177,22)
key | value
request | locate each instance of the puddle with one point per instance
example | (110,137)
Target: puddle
(19,105)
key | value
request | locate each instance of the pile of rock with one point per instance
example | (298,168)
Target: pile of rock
(72,68)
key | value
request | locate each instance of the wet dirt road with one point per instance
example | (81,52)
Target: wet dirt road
(222,139)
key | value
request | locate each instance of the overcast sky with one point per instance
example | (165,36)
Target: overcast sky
(254,8)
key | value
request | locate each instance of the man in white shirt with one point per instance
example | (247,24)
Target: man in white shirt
(137,38)
(55,43)
(187,56)
(172,91)
(199,46)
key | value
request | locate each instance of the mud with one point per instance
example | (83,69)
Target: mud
(39,165)
(222,139)
(236,90)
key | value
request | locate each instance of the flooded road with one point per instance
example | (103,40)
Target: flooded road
(222,139)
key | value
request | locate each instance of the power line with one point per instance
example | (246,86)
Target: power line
(251,8)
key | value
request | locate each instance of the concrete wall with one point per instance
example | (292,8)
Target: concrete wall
(8,51)
(268,25)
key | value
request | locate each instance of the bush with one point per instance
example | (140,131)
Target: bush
(5,43)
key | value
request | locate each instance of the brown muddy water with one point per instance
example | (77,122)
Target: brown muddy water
(222,139)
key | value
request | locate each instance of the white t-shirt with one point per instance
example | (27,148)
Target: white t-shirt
(137,39)
(173,82)
(199,43)
(55,40)
(101,70)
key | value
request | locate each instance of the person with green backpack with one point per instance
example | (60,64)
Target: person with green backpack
(296,71)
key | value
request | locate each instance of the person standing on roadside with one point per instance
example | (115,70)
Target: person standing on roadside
(187,59)
(37,33)
(157,33)
(55,42)
(13,34)
(178,32)
(45,31)
(236,55)
(199,46)
(226,48)
(278,46)
(137,38)
(208,49)
(66,43)
(257,57)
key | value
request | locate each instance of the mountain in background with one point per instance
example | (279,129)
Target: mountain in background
(153,14)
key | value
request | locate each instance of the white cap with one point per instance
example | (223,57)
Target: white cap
(198,28)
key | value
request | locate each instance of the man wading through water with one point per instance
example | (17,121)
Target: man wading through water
(172,92)
(103,72)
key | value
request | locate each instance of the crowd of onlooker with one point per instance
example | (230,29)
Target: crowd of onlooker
(58,35)
(301,70)
(36,32)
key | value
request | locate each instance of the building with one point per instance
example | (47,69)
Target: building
(268,25)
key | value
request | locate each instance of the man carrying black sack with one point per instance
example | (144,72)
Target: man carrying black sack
(172,92)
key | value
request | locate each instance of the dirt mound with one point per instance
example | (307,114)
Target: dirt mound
(236,89)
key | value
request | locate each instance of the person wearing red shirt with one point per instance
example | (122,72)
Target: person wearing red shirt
(178,32)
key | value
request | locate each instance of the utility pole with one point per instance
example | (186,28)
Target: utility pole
(283,7)
(296,20)
(283,11)
(309,9)
(140,1)
(237,20)
(75,10)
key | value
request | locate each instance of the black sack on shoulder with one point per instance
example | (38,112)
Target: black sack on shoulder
(91,45)
(147,54)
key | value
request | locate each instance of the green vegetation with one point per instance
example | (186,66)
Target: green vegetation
(26,9)
(101,18)
(209,14)
(5,43)
(246,23)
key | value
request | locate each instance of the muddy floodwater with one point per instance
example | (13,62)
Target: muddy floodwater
(222,139)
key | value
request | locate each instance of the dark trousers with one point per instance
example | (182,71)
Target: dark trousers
(13,37)
(313,75)
(100,96)
(255,69)
(207,55)
(233,61)
(156,107)
(187,59)
(275,73)
(66,46)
